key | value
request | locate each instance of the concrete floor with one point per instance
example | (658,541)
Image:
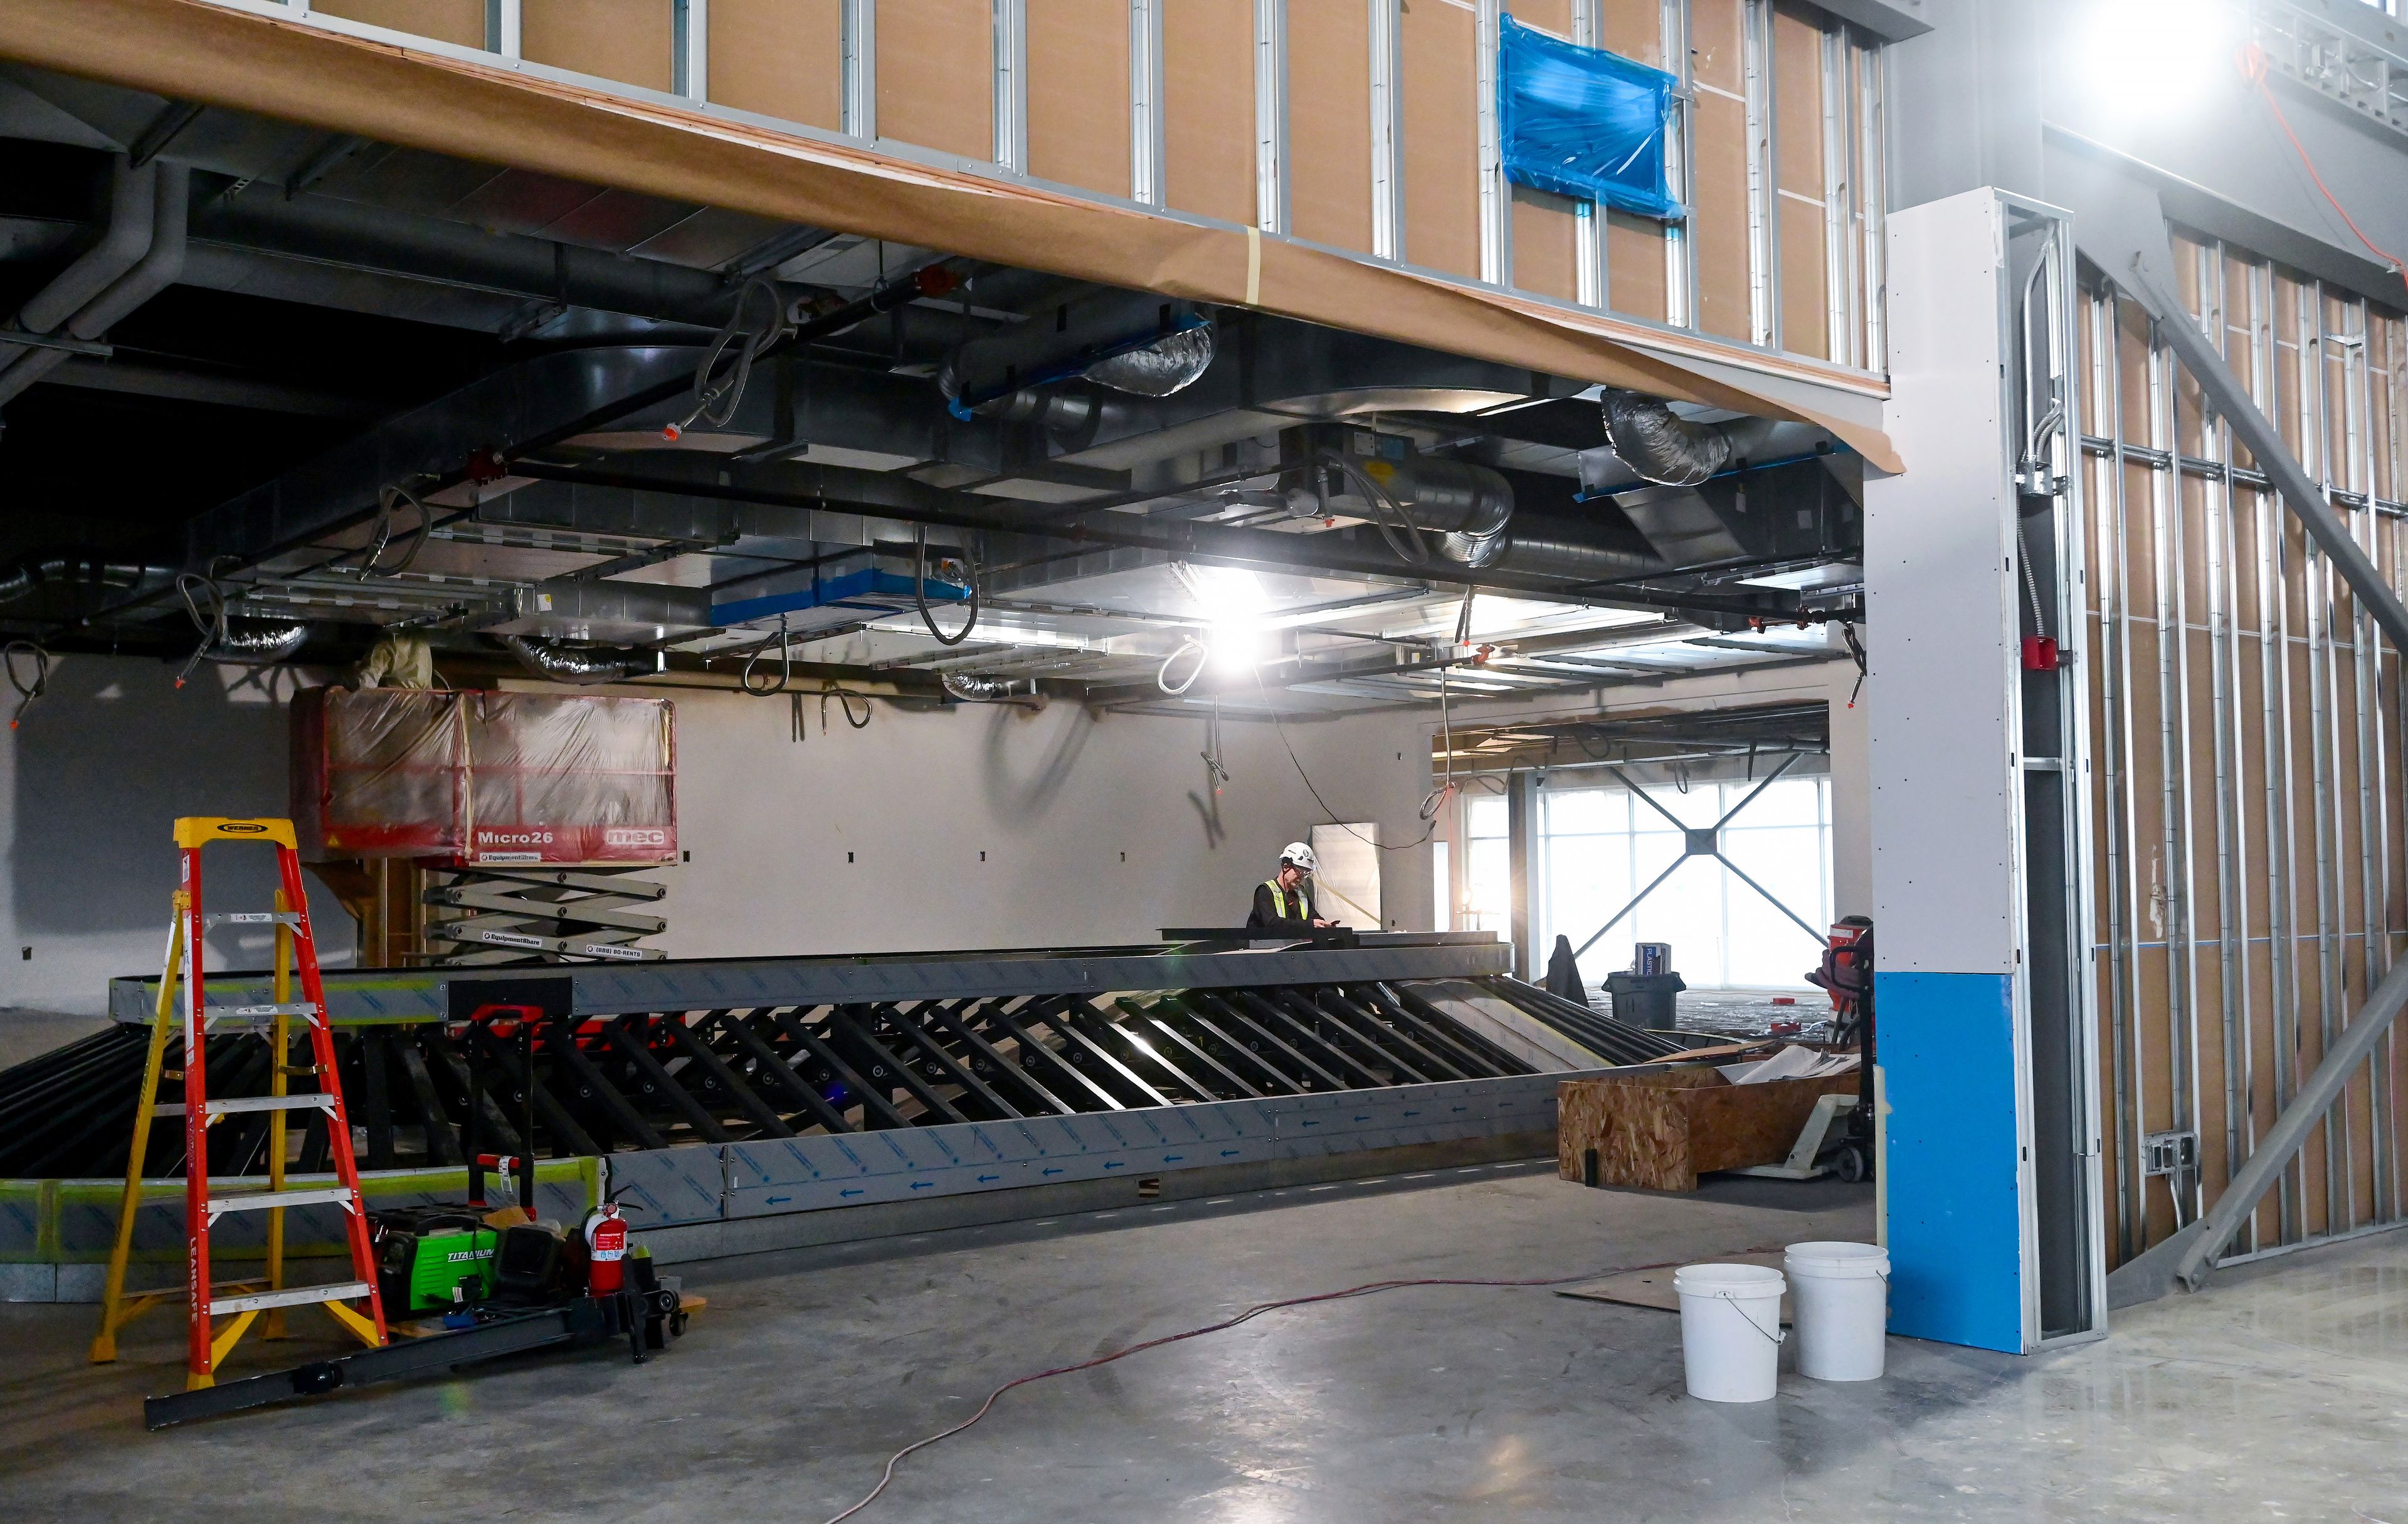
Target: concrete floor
(2279,1394)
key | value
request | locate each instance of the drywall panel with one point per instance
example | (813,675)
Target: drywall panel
(985,825)
(781,58)
(1330,123)
(91,783)
(1546,244)
(935,75)
(1438,41)
(1547,15)
(1938,550)
(461,22)
(632,41)
(1079,94)
(1207,107)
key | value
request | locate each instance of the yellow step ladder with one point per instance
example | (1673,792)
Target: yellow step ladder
(243,1302)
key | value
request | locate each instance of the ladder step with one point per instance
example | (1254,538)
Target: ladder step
(262,1201)
(255,917)
(296,1297)
(269,1103)
(249,1103)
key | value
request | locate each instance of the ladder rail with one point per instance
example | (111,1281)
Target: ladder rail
(188,1010)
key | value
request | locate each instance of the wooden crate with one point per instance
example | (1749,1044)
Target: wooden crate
(1661,1129)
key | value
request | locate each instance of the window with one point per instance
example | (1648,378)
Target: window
(1488,867)
(1598,847)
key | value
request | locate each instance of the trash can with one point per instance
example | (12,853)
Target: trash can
(1644,999)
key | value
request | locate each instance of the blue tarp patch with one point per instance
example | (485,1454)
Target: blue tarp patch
(1583,122)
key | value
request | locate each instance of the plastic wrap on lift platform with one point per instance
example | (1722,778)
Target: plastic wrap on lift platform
(484,777)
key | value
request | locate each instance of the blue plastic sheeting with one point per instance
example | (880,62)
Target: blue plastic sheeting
(1946,1046)
(1583,122)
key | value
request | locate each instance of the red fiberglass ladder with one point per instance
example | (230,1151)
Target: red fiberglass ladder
(243,1301)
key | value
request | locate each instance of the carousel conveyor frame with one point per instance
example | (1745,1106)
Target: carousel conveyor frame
(805,1101)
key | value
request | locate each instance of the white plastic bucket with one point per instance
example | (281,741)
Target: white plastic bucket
(1842,1304)
(1730,1331)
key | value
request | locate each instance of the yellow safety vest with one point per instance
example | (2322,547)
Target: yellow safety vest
(1292,907)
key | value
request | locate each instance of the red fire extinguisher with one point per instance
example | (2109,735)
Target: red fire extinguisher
(606,1240)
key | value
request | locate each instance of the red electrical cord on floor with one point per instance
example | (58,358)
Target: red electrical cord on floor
(1256,1311)
(2253,66)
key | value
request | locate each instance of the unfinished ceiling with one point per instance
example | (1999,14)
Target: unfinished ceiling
(330,389)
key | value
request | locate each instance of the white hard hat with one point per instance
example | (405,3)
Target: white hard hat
(1298,855)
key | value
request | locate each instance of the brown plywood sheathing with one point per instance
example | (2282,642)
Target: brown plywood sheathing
(1797,153)
(1718,221)
(1635,267)
(1547,15)
(1634,246)
(632,41)
(2249,738)
(460,23)
(935,75)
(1329,124)
(483,111)
(1661,1131)
(1438,44)
(1079,94)
(1546,244)
(1207,108)
(781,58)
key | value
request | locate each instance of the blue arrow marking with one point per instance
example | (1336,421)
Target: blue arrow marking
(1312,1123)
(1229,1153)
(923,1185)
(1362,1119)
(989,1179)
(1413,1114)
(1050,1172)
(1172,1159)
(1114,1164)
(780,1201)
(852,1193)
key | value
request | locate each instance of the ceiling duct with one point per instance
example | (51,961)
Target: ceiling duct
(22,582)
(161,264)
(1660,445)
(570,664)
(263,646)
(1129,341)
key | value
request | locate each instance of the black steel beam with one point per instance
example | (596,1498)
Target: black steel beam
(877,1107)
(767,1062)
(761,1114)
(627,1118)
(660,1084)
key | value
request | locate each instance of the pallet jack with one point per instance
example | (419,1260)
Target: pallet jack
(498,1290)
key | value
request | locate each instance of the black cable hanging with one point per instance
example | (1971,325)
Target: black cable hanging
(919,589)
(26,692)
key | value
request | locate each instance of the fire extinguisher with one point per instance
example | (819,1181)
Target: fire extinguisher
(606,1240)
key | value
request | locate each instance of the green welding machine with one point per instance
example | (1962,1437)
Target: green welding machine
(432,1258)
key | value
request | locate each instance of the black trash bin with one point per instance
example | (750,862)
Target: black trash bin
(1645,1000)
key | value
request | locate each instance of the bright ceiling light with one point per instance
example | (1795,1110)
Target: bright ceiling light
(2159,58)
(1232,603)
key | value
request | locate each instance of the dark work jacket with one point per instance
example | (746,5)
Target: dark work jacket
(1275,912)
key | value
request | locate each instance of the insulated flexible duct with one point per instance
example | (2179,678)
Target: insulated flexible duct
(1650,439)
(22,581)
(1162,368)
(1466,507)
(568,664)
(981,690)
(261,647)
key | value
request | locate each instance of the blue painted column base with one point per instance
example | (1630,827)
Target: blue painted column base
(1945,1043)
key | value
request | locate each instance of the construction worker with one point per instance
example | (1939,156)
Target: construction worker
(1283,902)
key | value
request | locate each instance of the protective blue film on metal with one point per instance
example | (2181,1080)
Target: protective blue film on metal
(1946,1046)
(1583,122)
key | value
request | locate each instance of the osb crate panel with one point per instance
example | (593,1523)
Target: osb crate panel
(1662,1130)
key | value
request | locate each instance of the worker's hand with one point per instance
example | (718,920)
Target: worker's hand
(1321,923)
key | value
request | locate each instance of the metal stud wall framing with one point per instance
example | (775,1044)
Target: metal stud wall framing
(2251,729)
(1851,107)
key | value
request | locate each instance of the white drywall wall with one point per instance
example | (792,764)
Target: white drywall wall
(1094,829)
(103,765)
(91,784)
